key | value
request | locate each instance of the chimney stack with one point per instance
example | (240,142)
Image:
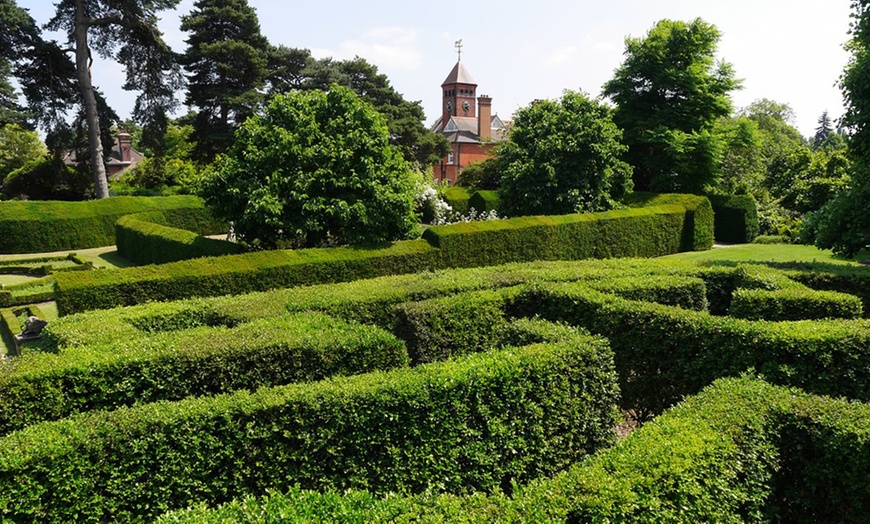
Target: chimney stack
(125,143)
(484,120)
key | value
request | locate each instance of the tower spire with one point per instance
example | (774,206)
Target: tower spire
(458,46)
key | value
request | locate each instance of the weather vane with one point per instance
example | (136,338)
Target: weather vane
(458,46)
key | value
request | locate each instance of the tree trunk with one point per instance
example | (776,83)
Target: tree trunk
(92,118)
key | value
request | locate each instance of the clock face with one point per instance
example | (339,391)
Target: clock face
(450,106)
(466,106)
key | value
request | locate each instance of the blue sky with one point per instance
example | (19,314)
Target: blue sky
(786,50)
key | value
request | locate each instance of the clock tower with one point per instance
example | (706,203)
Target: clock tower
(459,94)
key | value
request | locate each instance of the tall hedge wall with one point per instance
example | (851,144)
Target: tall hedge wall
(457,197)
(448,426)
(698,233)
(156,238)
(741,451)
(43,226)
(736,218)
(484,201)
(632,232)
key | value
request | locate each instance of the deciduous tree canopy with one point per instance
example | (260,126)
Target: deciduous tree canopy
(562,157)
(315,169)
(669,93)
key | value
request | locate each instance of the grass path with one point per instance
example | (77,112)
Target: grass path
(768,253)
(103,257)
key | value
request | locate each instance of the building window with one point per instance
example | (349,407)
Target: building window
(450,158)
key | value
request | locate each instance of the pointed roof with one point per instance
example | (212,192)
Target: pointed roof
(459,75)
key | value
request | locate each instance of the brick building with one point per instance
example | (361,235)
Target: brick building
(468,124)
(121,157)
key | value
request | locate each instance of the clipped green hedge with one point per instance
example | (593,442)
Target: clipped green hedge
(475,424)
(793,304)
(736,218)
(741,451)
(664,353)
(698,231)
(169,366)
(155,238)
(441,328)
(631,232)
(622,233)
(457,197)
(42,226)
(484,201)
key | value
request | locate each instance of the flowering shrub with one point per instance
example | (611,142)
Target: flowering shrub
(435,211)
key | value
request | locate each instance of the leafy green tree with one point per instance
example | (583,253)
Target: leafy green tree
(17,147)
(562,156)
(294,69)
(47,178)
(226,61)
(316,168)
(485,174)
(742,163)
(125,30)
(669,94)
(844,223)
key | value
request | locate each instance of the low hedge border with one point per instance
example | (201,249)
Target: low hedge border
(450,426)
(794,304)
(170,366)
(664,353)
(149,238)
(9,327)
(43,226)
(634,232)
(741,451)
(736,218)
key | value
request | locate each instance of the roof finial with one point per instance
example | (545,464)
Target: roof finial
(458,46)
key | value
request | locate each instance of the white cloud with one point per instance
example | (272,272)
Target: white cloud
(390,47)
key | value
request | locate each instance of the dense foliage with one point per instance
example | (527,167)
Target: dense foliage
(562,157)
(669,94)
(315,169)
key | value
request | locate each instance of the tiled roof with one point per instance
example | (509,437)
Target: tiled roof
(459,75)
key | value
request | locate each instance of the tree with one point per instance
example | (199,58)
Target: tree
(844,223)
(226,61)
(17,147)
(669,93)
(125,30)
(484,174)
(562,157)
(294,69)
(825,130)
(316,168)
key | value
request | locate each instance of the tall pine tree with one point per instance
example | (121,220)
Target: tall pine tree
(124,30)
(226,63)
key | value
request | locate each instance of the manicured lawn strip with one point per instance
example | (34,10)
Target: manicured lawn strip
(170,366)
(664,353)
(477,423)
(740,451)
(41,226)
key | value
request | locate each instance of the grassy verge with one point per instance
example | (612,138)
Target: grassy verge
(768,253)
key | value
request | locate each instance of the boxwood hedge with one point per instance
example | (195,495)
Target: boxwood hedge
(42,226)
(484,201)
(634,232)
(698,233)
(481,422)
(793,304)
(736,218)
(154,238)
(169,366)
(741,451)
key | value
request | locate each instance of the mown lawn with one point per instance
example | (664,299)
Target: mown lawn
(768,253)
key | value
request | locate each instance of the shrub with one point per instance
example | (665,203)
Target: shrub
(736,218)
(147,238)
(456,197)
(664,353)
(41,226)
(698,233)
(171,366)
(741,451)
(478,423)
(484,201)
(793,304)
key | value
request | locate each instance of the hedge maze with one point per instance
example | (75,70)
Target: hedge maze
(477,394)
